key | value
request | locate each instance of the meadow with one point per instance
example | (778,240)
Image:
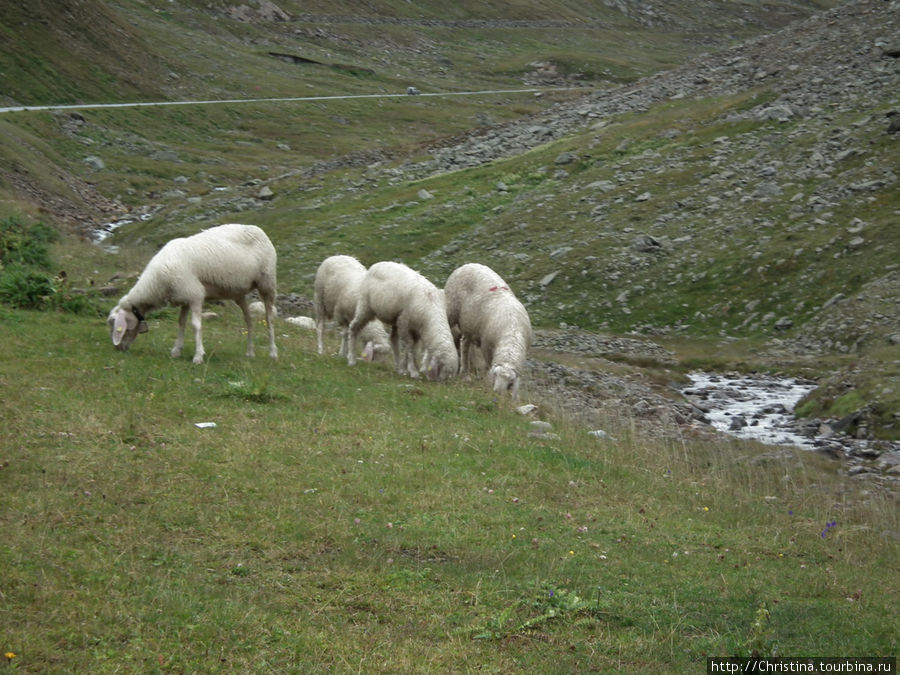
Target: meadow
(349,519)
(305,516)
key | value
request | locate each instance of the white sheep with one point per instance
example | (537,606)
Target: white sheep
(425,356)
(336,292)
(488,315)
(224,263)
(405,300)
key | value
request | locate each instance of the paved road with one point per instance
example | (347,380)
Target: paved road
(88,106)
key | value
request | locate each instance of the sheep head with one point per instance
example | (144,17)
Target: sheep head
(441,369)
(375,351)
(505,378)
(124,326)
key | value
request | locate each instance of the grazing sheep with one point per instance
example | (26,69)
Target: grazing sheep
(224,263)
(425,356)
(376,341)
(488,315)
(336,294)
(405,300)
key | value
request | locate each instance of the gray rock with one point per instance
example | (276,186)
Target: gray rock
(95,162)
(602,186)
(644,243)
(548,279)
(784,323)
(737,422)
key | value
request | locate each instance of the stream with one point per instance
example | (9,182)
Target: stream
(758,408)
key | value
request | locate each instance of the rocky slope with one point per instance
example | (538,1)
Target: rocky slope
(594,389)
(835,80)
(820,67)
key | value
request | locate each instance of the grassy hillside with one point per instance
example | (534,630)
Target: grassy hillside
(153,49)
(348,519)
(686,214)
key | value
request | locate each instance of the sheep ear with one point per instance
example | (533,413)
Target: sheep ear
(143,327)
(120,325)
(369,351)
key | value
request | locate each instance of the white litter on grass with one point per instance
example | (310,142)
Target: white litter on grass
(205,425)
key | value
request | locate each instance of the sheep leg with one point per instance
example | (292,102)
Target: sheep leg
(404,343)
(395,348)
(464,346)
(197,324)
(342,350)
(410,346)
(320,330)
(179,340)
(273,350)
(362,317)
(270,324)
(248,322)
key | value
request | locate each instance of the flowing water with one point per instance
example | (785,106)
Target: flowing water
(749,406)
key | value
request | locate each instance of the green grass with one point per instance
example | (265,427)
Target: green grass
(349,519)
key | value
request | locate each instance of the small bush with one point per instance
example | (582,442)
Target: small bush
(24,263)
(25,288)
(25,244)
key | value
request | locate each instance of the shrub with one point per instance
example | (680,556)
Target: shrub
(25,288)
(25,282)
(25,244)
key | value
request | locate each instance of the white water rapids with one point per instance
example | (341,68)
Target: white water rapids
(753,407)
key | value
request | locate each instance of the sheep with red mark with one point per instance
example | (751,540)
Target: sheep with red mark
(488,316)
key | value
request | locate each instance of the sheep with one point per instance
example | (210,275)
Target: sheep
(376,341)
(336,291)
(425,357)
(488,315)
(224,262)
(405,300)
